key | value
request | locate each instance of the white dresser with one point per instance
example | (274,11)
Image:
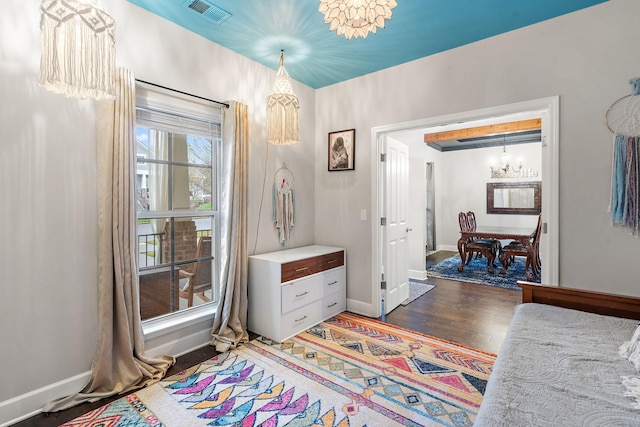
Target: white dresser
(294,289)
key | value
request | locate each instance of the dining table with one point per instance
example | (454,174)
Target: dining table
(524,235)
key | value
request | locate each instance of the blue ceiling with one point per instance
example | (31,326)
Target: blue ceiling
(259,29)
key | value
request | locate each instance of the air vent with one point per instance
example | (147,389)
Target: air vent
(211,11)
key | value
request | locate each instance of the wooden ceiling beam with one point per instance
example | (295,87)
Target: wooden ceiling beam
(497,129)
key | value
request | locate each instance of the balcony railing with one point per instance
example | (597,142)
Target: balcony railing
(150,248)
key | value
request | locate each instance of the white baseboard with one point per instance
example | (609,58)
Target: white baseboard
(29,404)
(362,308)
(181,345)
(447,248)
(170,342)
(418,274)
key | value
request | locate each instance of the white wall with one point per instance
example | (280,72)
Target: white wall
(47,161)
(585,57)
(48,211)
(48,218)
(461,177)
(464,189)
(191,63)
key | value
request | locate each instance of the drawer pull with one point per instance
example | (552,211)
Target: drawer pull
(331,305)
(332,260)
(302,294)
(300,319)
(333,283)
(302,269)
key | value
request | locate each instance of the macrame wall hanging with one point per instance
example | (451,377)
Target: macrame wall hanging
(283,206)
(78,49)
(623,120)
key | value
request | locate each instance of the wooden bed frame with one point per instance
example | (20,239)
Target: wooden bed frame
(581,299)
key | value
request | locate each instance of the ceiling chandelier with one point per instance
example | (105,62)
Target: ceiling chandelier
(505,169)
(282,110)
(78,49)
(356,18)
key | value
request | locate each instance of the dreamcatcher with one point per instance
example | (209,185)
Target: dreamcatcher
(623,120)
(283,211)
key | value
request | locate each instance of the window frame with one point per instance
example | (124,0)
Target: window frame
(179,105)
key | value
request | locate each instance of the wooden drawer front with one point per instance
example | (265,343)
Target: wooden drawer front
(303,318)
(301,292)
(295,269)
(329,261)
(333,304)
(334,281)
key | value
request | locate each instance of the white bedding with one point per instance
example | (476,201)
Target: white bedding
(560,367)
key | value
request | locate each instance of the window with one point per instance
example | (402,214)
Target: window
(178,141)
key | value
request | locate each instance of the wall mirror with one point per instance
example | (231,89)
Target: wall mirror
(515,198)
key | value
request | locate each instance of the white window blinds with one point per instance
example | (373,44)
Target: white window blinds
(170,111)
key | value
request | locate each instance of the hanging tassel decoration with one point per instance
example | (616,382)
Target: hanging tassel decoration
(625,183)
(78,49)
(283,214)
(282,110)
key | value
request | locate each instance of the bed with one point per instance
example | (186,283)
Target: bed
(559,364)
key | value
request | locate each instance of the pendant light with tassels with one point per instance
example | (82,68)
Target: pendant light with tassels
(282,110)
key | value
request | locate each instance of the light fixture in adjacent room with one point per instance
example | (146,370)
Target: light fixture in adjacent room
(356,18)
(506,169)
(78,49)
(282,110)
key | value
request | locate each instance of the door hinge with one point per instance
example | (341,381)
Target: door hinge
(383,285)
(383,157)
(544,228)
(383,221)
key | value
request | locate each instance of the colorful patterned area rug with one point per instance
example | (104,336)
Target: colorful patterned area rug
(476,272)
(347,371)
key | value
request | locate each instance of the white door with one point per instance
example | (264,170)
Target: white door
(396,230)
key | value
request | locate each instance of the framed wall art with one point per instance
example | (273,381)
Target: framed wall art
(342,150)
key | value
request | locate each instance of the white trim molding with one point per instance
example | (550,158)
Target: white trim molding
(546,108)
(30,404)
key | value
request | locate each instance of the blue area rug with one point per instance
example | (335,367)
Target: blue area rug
(476,272)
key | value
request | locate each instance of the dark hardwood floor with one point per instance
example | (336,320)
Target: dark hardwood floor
(465,313)
(472,315)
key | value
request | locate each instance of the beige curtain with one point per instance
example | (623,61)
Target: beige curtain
(230,322)
(119,365)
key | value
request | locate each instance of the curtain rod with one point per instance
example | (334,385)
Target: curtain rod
(183,93)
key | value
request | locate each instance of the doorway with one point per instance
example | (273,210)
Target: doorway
(430,209)
(545,108)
